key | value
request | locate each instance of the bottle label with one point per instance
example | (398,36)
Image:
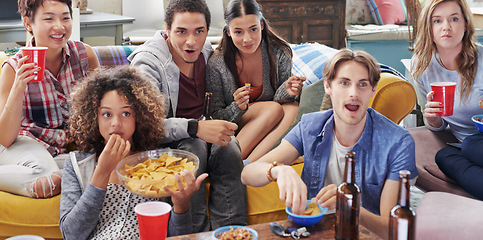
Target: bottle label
(402,228)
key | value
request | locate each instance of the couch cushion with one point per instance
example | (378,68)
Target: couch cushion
(435,171)
(23,215)
(448,216)
(427,144)
(264,204)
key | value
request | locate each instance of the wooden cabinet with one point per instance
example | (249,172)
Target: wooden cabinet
(320,21)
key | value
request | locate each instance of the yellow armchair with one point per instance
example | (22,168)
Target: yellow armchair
(395,98)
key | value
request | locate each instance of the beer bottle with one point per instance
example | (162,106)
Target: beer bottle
(348,203)
(206,115)
(402,218)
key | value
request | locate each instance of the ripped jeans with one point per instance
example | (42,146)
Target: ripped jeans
(28,169)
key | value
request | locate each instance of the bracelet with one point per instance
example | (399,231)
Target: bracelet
(269,171)
(8,110)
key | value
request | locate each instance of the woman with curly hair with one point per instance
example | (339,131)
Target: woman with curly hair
(446,51)
(115,113)
(250,76)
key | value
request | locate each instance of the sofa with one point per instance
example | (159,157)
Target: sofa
(431,178)
(22,215)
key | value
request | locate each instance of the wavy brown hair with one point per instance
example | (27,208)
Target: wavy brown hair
(144,98)
(238,8)
(467,60)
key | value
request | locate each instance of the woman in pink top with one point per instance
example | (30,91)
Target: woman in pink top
(34,114)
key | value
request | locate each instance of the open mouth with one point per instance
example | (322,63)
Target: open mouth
(190,51)
(57,36)
(352,107)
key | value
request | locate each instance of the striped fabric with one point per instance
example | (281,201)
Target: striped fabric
(112,56)
(46,103)
(309,60)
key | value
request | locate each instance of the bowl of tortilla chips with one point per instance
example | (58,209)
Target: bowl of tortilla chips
(146,173)
(312,215)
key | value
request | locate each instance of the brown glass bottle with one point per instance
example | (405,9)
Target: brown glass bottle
(206,114)
(402,218)
(348,203)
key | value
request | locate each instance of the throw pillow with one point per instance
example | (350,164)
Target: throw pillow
(387,11)
(309,60)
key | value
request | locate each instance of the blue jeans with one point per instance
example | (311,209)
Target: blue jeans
(227,202)
(465,165)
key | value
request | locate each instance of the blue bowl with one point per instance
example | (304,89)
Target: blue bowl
(306,220)
(227,228)
(478,124)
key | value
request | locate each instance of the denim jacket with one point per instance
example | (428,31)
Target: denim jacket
(383,149)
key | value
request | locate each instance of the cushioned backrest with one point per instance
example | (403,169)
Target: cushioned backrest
(395,98)
(112,56)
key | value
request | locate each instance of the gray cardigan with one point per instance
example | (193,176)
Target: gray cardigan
(221,83)
(81,202)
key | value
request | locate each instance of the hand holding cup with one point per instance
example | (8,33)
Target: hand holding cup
(36,55)
(444,94)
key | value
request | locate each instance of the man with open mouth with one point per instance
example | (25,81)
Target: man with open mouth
(175,61)
(382,148)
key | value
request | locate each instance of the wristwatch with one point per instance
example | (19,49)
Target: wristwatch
(193,128)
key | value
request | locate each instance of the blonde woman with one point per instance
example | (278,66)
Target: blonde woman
(446,51)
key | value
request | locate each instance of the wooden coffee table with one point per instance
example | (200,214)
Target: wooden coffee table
(325,229)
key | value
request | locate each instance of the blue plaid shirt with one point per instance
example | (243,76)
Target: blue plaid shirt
(382,151)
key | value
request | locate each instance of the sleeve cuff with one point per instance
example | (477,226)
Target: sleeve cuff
(435,129)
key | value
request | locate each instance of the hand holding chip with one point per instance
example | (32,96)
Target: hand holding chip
(181,197)
(114,151)
(242,96)
(292,189)
(294,85)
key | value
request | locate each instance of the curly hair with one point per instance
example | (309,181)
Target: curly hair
(467,60)
(144,98)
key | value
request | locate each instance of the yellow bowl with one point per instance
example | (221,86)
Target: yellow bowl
(153,188)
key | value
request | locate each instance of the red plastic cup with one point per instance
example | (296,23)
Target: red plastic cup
(37,56)
(444,93)
(153,220)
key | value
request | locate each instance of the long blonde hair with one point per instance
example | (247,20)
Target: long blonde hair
(467,60)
